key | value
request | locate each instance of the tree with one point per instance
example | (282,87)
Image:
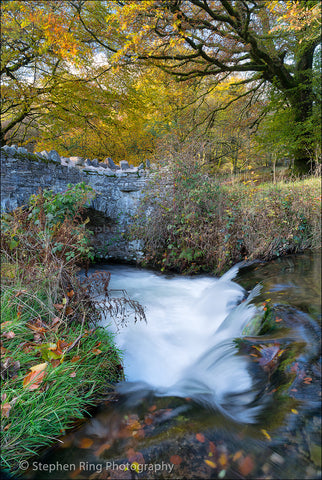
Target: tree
(265,43)
(40,44)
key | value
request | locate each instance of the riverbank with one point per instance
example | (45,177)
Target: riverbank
(56,362)
(202,225)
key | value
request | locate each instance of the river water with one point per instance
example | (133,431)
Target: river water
(209,392)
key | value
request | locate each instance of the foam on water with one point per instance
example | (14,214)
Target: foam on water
(186,347)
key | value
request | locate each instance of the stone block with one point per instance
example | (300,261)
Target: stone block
(54,156)
(79,161)
(124,165)
(22,150)
(9,150)
(110,163)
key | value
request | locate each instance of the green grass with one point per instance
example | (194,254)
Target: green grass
(37,417)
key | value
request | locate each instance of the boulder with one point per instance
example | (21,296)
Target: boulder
(95,163)
(141,166)
(54,156)
(124,165)
(79,161)
(147,163)
(88,162)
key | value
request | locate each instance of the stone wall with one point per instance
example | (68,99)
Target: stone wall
(119,191)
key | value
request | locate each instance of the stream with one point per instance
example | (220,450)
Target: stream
(222,380)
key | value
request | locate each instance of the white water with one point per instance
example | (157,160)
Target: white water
(186,347)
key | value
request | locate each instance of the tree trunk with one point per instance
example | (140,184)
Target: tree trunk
(302,104)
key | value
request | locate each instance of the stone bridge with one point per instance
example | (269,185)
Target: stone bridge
(119,191)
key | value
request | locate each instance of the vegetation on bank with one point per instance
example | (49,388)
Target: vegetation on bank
(201,224)
(55,360)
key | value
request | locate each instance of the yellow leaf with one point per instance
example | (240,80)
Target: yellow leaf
(135,466)
(39,368)
(210,464)
(266,434)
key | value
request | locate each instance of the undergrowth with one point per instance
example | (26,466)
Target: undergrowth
(56,360)
(189,222)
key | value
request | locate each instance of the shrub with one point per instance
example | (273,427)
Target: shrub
(189,222)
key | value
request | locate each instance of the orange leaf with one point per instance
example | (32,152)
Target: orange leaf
(69,310)
(34,378)
(5,409)
(210,463)
(175,459)
(96,351)
(75,358)
(278,319)
(246,466)
(86,442)
(70,294)
(35,328)
(152,408)
(237,455)
(200,437)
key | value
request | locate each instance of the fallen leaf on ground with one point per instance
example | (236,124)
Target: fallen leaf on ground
(267,435)
(200,437)
(9,335)
(212,447)
(5,409)
(34,378)
(237,455)
(246,466)
(96,351)
(223,460)
(86,443)
(210,464)
(175,459)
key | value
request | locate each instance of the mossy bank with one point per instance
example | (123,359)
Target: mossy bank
(56,362)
